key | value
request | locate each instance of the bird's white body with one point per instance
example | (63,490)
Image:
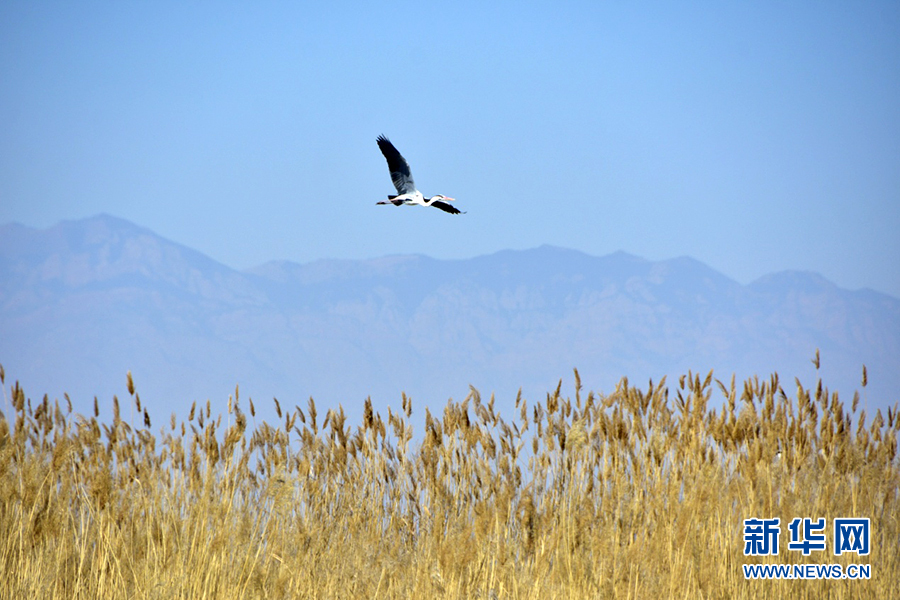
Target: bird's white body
(415,197)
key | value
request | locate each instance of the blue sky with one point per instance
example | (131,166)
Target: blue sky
(753,136)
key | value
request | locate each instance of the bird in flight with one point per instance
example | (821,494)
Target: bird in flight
(403,181)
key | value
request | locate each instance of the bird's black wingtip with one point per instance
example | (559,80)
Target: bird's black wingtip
(382,139)
(447,207)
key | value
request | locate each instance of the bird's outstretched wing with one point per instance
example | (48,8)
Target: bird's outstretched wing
(446,206)
(400,174)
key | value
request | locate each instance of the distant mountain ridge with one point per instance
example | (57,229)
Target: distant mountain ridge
(85,301)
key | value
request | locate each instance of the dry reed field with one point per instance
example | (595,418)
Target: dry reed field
(641,493)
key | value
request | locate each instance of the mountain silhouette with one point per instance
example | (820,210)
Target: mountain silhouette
(85,301)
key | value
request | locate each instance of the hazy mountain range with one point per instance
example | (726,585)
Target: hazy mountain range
(85,301)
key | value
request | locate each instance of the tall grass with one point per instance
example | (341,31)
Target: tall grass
(638,494)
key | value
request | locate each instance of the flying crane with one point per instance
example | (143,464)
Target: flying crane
(403,181)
